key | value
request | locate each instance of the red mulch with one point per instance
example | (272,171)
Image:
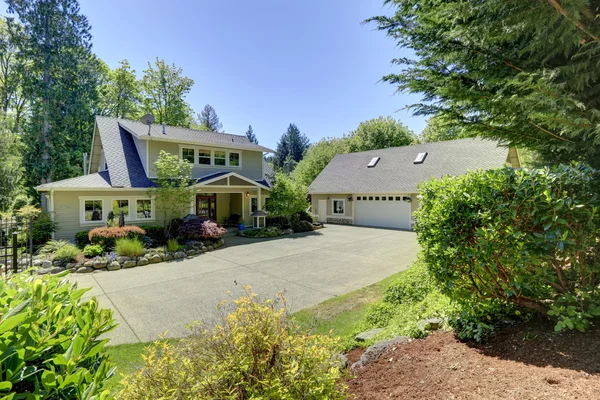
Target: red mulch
(527,362)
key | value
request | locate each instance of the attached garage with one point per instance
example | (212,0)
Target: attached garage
(384,211)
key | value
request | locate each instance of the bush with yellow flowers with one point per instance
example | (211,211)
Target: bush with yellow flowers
(252,352)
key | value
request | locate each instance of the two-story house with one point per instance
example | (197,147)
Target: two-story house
(231,176)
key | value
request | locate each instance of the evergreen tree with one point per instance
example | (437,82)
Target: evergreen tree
(292,144)
(251,136)
(53,38)
(208,120)
(13,103)
(120,94)
(11,170)
(524,72)
(164,90)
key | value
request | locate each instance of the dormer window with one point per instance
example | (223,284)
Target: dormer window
(420,158)
(373,162)
(204,157)
(220,158)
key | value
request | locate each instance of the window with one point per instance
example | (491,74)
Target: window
(234,159)
(144,209)
(92,210)
(120,205)
(420,158)
(338,207)
(377,198)
(220,157)
(398,198)
(390,198)
(359,198)
(370,197)
(383,198)
(188,155)
(253,204)
(373,162)
(203,157)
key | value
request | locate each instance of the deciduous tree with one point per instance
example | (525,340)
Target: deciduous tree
(287,197)
(11,170)
(380,133)
(120,94)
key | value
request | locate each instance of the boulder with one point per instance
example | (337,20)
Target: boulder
(431,324)
(99,264)
(179,254)
(129,264)
(89,264)
(83,270)
(72,266)
(155,258)
(56,270)
(191,252)
(374,352)
(122,259)
(43,271)
(24,261)
(343,359)
(142,261)
(210,248)
(46,264)
(204,249)
(38,263)
(167,257)
(113,266)
(367,335)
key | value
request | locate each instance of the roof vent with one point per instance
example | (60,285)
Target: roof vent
(373,162)
(164,125)
(420,158)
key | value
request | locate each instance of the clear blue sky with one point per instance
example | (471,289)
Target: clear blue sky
(266,62)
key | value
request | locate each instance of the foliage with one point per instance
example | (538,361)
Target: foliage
(164,90)
(172,245)
(304,216)
(156,233)
(411,286)
(251,135)
(51,340)
(302,226)
(268,232)
(13,103)
(107,236)
(208,120)
(200,228)
(476,320)
(439,128)
(120,93)
(82,239)
(520,71)
(20,201)
(524,237)
(287,197)
(253,352)
(316,158)
(381,133)
(66,253)
(93,250)
(11,170)
(129,247)
(52,246)
(290,148)
(172,194)
(28,211)
(42,228)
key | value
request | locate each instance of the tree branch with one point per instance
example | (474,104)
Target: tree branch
(579,25)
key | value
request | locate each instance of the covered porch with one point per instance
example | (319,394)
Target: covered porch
(229,199)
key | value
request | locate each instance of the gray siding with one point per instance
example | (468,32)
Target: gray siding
(141,146)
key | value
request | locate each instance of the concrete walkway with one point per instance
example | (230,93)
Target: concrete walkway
(313,267)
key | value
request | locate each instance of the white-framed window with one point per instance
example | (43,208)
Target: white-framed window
(220,157)
(234,159)
(143,209)
(204,157)
(339,206)
(92,210)
(188,155)
(120,205)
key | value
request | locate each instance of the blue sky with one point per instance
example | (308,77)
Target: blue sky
(264,62)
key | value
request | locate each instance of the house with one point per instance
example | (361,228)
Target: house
(379,188)
(231,176)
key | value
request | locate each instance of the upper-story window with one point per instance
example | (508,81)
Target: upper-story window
(188,155)
(234,159)
(204,157)
(220,157)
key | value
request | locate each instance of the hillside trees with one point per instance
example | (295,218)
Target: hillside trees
(379,133)
(290,148)
(251,136)
(120,93)
(209,120)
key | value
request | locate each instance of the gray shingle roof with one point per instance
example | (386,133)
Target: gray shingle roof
(98,180)
(396,173)
(179,134)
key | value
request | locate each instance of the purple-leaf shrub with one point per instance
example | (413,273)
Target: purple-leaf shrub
(200,228)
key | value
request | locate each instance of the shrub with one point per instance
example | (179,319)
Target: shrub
(254,352)
(302,226)
(107,236)
(268,232)
(42,228)
(156,233)
(172,245)
(93,250)
(524,237)
(28,211)
(129,247)
(200,228)
(82,239)
(21,201)
(173,227)
(66,253)
(411,286)
(304,216)
(52,246)
(50,340)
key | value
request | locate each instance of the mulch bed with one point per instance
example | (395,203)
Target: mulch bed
(526,362)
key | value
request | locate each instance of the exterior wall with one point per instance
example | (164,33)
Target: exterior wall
(67,211)
(251,161)
(142,149)
(223,206)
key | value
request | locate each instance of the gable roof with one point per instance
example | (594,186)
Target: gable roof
(187,135)
(396,171)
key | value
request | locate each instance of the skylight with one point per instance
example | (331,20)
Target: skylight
(420,158)
(373,162)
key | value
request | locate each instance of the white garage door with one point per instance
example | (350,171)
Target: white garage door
(382,211)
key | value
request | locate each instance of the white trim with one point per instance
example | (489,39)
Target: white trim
(196,143)
(212,150)
(51,208)
(89,166)
(229,174)
(107,207)
(333,207)
(148,159)
(88,189)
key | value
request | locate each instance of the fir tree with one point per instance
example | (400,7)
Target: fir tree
(291,147)
(251,136)
(208,120)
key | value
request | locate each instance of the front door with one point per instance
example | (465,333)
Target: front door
(322,210)
(206,206)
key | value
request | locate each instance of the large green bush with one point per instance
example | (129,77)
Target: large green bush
(524,237)
(82,239)
(50,340)
(254,352)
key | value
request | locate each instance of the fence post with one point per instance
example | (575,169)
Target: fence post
(14,252)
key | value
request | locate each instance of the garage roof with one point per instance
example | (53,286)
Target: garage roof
(397,170)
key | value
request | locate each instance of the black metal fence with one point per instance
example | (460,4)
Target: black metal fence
(16,243)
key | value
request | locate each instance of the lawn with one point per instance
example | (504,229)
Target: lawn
(340,315)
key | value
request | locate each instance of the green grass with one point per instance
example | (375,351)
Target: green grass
(340,315)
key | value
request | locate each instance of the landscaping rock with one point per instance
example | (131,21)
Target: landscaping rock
(57,263)
(46,264)
(204,249)
(374,352)
(367,335)
(122,259)
(288,231)
(113,266)
(191,252)
(84,270)
(431,324)
(99,264)
(167,257)
(129,264)
(24,261)
(100,270)
(210,248)
(38,263)
(56,270)
(155,258)
(89,264)
(179,254)
(72,266)
(142,261)
(343,361)
(43,271)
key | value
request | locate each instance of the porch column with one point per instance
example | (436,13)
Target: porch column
(193,206)
(259,199)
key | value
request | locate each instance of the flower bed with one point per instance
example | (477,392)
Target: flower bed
(268,232)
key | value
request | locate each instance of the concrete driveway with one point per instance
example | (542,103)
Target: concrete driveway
(313,267)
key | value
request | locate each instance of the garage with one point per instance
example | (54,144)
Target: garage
(384,211)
